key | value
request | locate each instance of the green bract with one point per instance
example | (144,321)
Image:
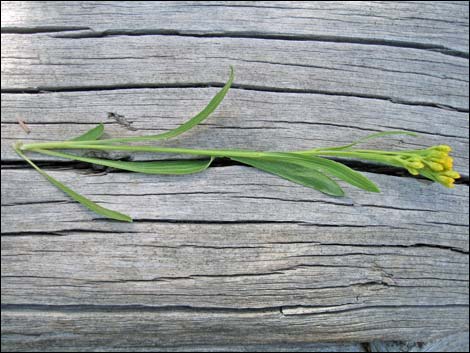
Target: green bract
(309,168)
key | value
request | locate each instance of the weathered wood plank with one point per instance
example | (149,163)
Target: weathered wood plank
(147,329)
(405,75)
(271,244)
(236,194)
(246,119)
(234,252)
(428,25)
(165,265)
(457,342)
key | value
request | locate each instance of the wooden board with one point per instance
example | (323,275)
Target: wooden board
(250,225)
(430,25)
(244,246)
(403,75)
(232,258)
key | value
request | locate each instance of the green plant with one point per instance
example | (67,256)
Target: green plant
(309,168)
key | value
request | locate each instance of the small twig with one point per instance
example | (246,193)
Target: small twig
(23,125)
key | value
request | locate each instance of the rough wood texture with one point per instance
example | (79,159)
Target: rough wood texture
(430,25)
(457,342)
(234,259)
(406,75)
(231,242)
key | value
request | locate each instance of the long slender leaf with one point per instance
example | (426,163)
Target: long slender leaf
(158,167)
(203,114)
(76,196)
(198,118)
(299,171)
(369,137)
(326,166)
(93,134)
(344,173)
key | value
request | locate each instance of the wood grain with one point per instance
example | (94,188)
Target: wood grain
(406,75)
(148,329)
(427,25)
(251,226)
(457,342)
(233,258)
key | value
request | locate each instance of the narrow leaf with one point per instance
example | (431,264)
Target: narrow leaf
(202,115)
(299,172)
(330,167)
(93,134)
(344,173)
(369,137)
(76,196)
(157,167)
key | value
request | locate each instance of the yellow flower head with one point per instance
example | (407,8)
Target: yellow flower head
(451,174)
(433,163)
(436,167)
(446,181)
(443,148)
(448,163)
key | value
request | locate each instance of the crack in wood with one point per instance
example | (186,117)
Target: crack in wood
(42,29)
(368,167)
(247,87)
(87,32)
(214,310)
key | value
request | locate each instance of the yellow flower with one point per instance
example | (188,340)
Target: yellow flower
(448,163)
(437,167)
(433,163)
(446,181)
(451,174)
(443,148)
(416,165)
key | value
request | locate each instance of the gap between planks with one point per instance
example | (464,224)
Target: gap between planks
(87,32)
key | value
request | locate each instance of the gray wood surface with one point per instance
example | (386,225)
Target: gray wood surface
(403,75)
(441,26)
(457,342)
(232,258)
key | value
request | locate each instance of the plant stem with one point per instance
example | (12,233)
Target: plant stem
(213,153)
(371,155)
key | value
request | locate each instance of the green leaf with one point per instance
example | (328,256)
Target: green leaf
(93,134)
(158,167)
(369,137)
(202,115)
(76,196)
(297,170)
(344,173)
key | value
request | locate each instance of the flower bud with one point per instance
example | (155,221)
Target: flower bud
(412,171)
(443,148)
(416,165)
(446,181)
(451,174)
(435,166)
(437,155)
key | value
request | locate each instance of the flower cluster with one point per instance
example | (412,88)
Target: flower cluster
(433,163)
